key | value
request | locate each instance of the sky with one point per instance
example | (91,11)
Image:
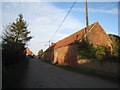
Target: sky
(43,19)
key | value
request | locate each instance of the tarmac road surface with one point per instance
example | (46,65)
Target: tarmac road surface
(43,75)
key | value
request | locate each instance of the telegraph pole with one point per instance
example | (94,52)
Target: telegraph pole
(87,23)
(49,43)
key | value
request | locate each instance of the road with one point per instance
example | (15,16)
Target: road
(0,69)
(43,75)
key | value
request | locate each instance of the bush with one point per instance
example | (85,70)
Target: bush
(102,52)
(40,53)
(85,50)
(115,44)
(88,51)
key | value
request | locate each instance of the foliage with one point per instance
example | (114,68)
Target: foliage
(16,32)
(102,52)
(40,53)
(85,50)
(14,39)
(116,44)
(53,63)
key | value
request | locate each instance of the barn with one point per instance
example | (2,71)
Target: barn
(64,51)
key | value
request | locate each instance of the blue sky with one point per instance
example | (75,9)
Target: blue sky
(44,18)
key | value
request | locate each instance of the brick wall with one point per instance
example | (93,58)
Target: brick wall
(66,55)
(98,36)
(49,55)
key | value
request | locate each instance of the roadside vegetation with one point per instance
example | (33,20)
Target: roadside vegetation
(116,45)
(14,61)
(40,53)
(99,52)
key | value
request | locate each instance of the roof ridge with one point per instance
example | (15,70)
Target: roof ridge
(77,32)
(63,41)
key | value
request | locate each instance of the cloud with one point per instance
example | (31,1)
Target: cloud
(50,18)
(112,11)
(44,19)
(93,10)
(36,44)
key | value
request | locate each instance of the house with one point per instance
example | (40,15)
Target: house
(28,52)
(64,51)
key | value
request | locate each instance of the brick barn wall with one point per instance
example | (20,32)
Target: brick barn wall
(49,55)
(66,55)
(98,36)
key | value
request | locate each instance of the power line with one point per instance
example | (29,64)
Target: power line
(63,20)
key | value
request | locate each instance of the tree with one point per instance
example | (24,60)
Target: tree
(14,39)
(40,53)
(116,44)
(17,32)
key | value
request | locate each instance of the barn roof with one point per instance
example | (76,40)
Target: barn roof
(70,39)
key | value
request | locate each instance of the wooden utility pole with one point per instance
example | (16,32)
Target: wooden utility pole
(87,23)
(49,43)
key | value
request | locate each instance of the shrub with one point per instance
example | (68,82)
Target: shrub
(102,52)
(85,50)
(115,44)
(40,53)
(88,51)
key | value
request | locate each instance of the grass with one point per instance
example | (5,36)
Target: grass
(11,75)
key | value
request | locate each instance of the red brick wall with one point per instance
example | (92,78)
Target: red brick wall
(66,55)
(98,36)
(49,55)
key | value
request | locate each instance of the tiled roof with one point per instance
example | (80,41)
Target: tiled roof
(70,39)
